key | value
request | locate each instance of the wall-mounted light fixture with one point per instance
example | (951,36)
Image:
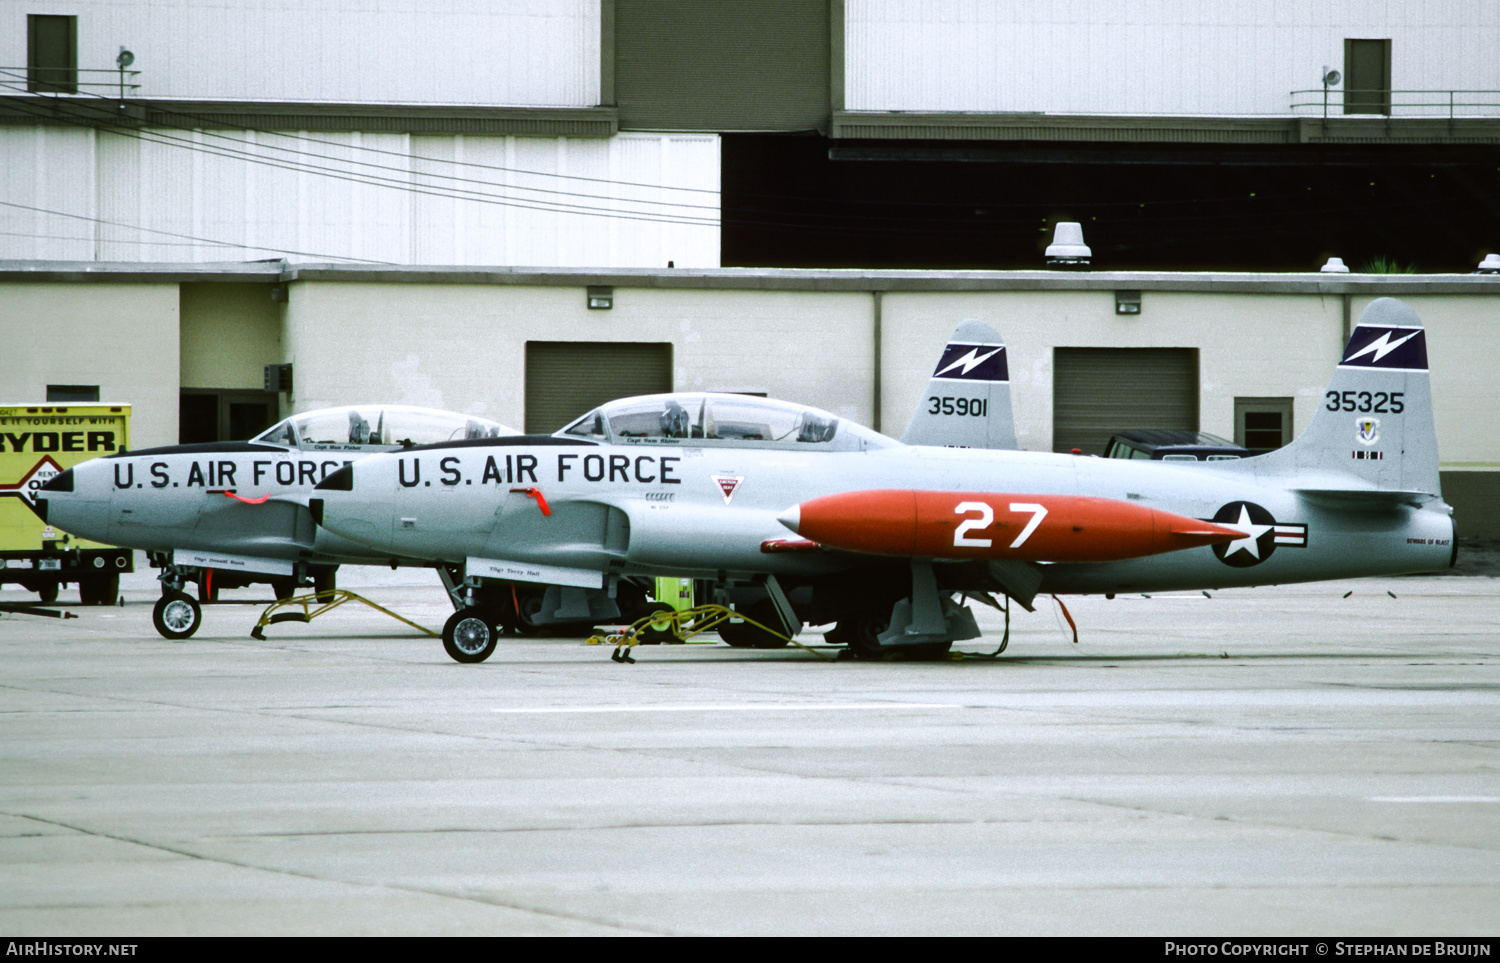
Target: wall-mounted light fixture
(1127,302)
(279,377)
(601,298)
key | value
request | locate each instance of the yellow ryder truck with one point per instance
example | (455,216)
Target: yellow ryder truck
(37,442)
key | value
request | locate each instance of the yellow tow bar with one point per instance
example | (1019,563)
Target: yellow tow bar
(682,625)
(324,602)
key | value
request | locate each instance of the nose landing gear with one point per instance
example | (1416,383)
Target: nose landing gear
(470,634)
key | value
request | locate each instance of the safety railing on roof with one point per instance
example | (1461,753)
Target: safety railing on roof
(1355,102)
(69,80)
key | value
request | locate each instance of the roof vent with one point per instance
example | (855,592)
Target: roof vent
(1335,265)
(1067,248)
(1490,264)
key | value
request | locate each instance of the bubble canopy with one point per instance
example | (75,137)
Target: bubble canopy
(377,427)
(722,420)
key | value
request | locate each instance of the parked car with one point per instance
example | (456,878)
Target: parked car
(1172,444)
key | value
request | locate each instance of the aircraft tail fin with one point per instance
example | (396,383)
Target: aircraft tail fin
(967,402)
(1374,421)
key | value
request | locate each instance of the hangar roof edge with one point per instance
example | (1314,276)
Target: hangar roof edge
(832,280)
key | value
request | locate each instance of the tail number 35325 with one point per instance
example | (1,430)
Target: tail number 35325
(983,516)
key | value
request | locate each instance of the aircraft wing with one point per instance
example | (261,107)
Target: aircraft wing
(1365,498)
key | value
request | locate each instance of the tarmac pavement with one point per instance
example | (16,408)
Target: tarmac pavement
(1273,761)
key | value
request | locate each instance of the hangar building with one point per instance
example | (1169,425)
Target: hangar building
(522,209)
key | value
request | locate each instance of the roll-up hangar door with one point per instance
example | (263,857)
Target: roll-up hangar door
(565,379)
(1099,391)
(720,65)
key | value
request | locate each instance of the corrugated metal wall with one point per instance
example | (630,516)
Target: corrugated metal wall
(170,195)
(1150,56)
(565,379)
(518,53)
(1099,391)
(722,64)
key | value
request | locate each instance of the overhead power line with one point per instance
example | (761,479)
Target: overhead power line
(243,152)
(106,114)
(188,237)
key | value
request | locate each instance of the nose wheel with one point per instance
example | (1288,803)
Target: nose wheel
(470,634)
(176,616)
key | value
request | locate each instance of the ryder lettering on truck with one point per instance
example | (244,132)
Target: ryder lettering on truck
(57,441)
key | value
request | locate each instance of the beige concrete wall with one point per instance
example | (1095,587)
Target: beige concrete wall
(463,347)
(1463,341)
(122,337)
(230,332)
(1248,345)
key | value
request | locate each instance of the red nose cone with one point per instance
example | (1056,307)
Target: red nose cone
(1027,527)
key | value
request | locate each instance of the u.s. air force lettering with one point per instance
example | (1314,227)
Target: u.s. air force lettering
(515,469)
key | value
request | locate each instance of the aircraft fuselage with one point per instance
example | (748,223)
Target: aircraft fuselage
(238,498)
(702,511)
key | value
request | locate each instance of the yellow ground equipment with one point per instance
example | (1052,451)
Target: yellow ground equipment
(680,626)
(305,608)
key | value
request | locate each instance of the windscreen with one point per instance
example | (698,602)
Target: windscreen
(378,426)
(715,419)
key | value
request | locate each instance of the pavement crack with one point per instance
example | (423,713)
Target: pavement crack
(314,877)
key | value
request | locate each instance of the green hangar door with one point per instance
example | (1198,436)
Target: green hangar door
(1099,391)
(566,379)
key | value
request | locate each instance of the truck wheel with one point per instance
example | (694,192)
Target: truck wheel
(657,632)
(176,616)
(47,592)
(469,635)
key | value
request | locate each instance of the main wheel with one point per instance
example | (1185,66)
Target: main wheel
(176,616)
(325,581)
(284,587)
(862,633)
(743,635)
(529,600)
(470,635)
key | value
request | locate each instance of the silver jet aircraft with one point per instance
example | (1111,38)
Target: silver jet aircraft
(230,514)
(884,535)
